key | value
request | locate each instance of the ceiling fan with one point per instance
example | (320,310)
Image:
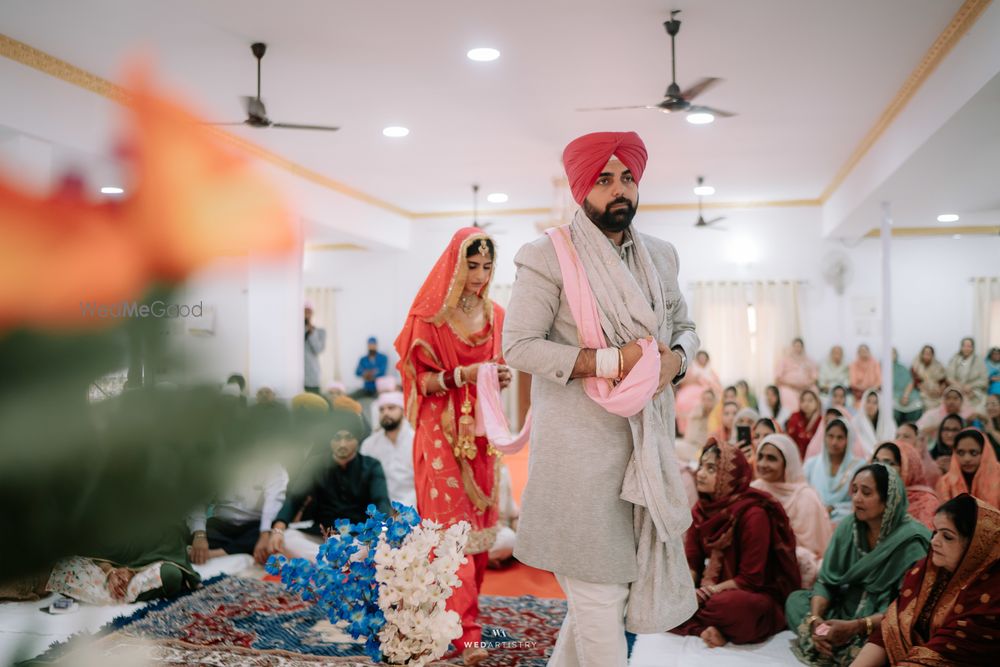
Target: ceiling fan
(257,114)
(702,223)
(475,212)
(677,100)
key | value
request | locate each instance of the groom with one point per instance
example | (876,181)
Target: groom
(604,507)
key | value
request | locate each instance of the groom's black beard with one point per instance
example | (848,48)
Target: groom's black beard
(611,221)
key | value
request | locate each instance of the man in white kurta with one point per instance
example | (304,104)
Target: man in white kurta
(392,445)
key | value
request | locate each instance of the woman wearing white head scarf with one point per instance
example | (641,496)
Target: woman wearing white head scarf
(871,425)
(780,473)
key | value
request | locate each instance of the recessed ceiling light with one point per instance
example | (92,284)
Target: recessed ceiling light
(700,118)
(483,54)
(704,190)
(497,197)
(395,131)
(957,236)
(948,217)
(111,190)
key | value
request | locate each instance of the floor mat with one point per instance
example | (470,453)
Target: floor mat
(234,622)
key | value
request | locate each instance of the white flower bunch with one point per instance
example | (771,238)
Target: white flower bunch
(414,581)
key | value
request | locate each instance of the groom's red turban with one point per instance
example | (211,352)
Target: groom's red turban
(585,157)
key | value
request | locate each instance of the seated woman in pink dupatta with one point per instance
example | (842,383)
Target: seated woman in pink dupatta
(795,373)
(779,472)
(923,499)
(865,372)
(909,434)
(815,447)
(700,377)
(952,404)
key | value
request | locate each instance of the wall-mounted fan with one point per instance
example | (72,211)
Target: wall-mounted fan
(257,113)
(837,270)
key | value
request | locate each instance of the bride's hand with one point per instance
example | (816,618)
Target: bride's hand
(504,375)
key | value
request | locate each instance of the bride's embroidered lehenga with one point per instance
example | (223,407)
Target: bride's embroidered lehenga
(455,472)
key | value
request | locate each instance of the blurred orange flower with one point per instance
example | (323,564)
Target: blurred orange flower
(190,201)
(59,250)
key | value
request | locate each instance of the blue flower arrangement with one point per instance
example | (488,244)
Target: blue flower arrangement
(367,579)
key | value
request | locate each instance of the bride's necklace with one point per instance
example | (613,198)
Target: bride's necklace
(467,302)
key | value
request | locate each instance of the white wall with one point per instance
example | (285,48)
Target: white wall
(372,299)
(211,358)
(932,298)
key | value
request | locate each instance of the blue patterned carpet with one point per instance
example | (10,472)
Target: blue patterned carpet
(235,621)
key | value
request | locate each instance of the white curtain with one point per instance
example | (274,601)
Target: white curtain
(720,315)
(986,313)
(324,301)
(776,307)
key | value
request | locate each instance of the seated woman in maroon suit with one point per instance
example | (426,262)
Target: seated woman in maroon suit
(741,551)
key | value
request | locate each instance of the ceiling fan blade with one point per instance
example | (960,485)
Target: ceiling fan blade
(715,220)
(714,112)
(700,87)
(647,106)
(295,126)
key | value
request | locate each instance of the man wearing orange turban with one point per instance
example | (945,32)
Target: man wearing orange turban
(591,466)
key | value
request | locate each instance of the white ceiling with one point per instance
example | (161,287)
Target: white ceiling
(956,171)
(808,80)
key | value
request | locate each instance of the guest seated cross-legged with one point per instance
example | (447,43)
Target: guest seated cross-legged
(779,472)
(831,472)
(838,398)
(749,546)
(909,434)
(948,607)
(392,444)
(771,406)
(992,421)
(872,425)
(763,428)
(340,484)
(952,404)
(866,373)
(923,499)
(974,469)
(241,518)
(929,378)
(804,424)
(744,422)
(699,378)
(727,424)
(139,568)
(697,426)
(795,373)
(967,371)
(815,447)
(944,444)
(870,552)
(745,395)
(906,405)
(833,372)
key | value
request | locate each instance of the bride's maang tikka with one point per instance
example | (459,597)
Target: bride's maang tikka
(484,248)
